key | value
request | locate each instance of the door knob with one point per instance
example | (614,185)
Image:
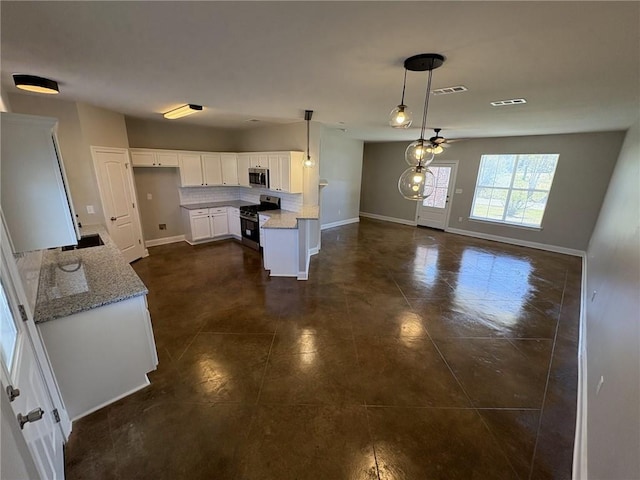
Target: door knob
(113,219)
(33,416)
(12,392)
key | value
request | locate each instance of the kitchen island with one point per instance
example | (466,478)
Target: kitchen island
(92,315)
(288,241)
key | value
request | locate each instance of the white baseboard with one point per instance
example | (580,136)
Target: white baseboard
(339,223)
(580,450)
(375,216)
(515,241)
(164,241)
(314,251)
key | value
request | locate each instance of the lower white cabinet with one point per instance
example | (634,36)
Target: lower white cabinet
(101,355)
(205,224)
(233,215)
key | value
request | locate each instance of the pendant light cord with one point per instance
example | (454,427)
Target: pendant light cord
(308,156)
(426,102)
(404,85)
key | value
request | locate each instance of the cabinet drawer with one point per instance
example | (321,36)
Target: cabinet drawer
(215,211)
(202,211)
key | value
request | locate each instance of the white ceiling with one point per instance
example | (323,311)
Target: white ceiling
(576,63)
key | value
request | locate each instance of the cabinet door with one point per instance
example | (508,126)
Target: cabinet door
(229,168)
(291,172)
(219,224)
(284,161)
(212,168)
(233,216)
(254,160)
(275,182)
(200,227)
(244,161)
(190,170)
(142,158)
(166,159)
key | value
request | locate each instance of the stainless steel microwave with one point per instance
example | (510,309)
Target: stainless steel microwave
(259,177)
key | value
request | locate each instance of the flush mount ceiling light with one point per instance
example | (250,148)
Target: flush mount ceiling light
(413,183)
(182,111)
(401,117)
(31,83)
(308,162)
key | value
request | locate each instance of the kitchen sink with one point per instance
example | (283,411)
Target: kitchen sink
(86,241)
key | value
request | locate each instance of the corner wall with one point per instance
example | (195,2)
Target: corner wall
(613,324)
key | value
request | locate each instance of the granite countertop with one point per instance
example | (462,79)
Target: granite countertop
(288,219)
(228,203)
(78,280)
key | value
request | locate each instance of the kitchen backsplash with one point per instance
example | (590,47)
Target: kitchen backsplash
(289,201)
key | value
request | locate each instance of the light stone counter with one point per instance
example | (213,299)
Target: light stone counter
(288,219)
(228,203)
(79,280)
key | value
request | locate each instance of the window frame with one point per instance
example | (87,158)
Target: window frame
(510,189)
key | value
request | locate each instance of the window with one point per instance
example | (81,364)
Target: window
(513,189)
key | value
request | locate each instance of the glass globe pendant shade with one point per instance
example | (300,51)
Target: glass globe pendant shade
(400,117)
(309,162)
(418,152)
(416,183)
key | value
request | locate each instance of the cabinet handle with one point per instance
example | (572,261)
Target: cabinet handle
(113,219)
(33,416)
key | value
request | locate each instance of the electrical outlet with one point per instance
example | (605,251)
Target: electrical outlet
(90,209)
(458,190)
(149,196)
(163,226)
(459,219)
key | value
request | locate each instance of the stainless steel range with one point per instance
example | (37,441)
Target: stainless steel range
(249,219)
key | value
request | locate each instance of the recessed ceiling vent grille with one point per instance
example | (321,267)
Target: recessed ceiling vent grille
(513,101)
(449,90)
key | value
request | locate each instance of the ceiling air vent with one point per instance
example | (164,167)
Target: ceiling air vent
(449,90)
(513,101)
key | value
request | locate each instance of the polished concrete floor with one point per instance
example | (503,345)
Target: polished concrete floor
(409,354)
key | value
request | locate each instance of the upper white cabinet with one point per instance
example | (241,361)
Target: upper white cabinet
(229,168)
(144,157)
(35,198)
(285,172)
(244,162)
(209,169)
(259,160)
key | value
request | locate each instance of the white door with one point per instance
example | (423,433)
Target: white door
(115,182)
(20,370)
(433,211)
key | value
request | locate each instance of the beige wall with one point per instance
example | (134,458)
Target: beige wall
(292,136)
(73,148)
(382,165)
(613,324)
(581,179)
(174,135)
(102,128)
(164,205)
(341,166)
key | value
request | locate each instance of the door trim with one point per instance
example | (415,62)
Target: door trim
(435,163)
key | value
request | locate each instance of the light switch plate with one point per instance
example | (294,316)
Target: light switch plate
(90,209)
(458,190)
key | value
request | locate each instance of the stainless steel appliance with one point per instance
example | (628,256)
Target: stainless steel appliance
(259,177)
(249,219)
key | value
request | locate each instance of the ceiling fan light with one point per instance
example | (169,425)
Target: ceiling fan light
(31,83)
(419,153)
(435,149)
(416,183)
(400,117)
(182,111)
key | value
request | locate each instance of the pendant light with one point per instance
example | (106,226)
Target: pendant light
(308,162)
(416,183)
(401,117)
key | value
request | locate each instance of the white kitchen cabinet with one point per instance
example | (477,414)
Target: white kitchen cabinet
(258,160)
(219,222)
(211,169)
(190,170)
(205,224)
(244,162)
(100,355)
(229,169)
(286,172)
(143,157)
(35,198)
(262,219)
(233,216)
